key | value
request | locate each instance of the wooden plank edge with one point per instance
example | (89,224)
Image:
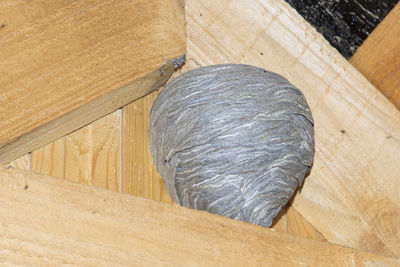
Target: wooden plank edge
(89,112)
(44,220)
(378,58)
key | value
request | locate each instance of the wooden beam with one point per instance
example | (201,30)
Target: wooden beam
(352,195)
(16,14)
(81,62)
(379,57)
(49,221)
(140,176)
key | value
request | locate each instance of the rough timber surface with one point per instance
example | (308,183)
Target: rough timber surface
(54,68)
(352,195)
(48,221)
(139,175)
(90,155)
(379,57)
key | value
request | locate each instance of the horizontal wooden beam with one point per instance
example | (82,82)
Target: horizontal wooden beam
(352,195)
(79,117)
(81,61)
(378,58)
(50,221)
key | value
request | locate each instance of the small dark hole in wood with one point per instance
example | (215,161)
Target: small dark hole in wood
(26,187)
(343,131)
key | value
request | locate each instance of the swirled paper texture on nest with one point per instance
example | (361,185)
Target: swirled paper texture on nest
(235,140)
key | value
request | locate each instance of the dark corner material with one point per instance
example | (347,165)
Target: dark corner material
(344,23)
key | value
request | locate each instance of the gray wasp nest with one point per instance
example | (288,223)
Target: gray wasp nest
(234,140)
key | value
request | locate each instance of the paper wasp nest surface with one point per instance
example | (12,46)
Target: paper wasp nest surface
(234,140)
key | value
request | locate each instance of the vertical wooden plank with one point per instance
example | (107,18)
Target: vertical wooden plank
(77,156)
(105,147)
(140,177)
(90,155)
(23,163)
(49,160)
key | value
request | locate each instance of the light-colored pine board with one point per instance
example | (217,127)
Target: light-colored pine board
(297,225)
(47,221)
(105,162)
(90,155)
(352,196)
(289,220)
(22,163)
(50,159)
(77,156)
(140,177)
(109,54)
(378,58)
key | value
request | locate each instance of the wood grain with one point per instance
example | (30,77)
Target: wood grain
(15,14)
(140,177)
(22,163)
(109,53)
(49,160)
(289,220)
(297,225)
(90,155)
(378,58)
(47,221)
(352,195)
